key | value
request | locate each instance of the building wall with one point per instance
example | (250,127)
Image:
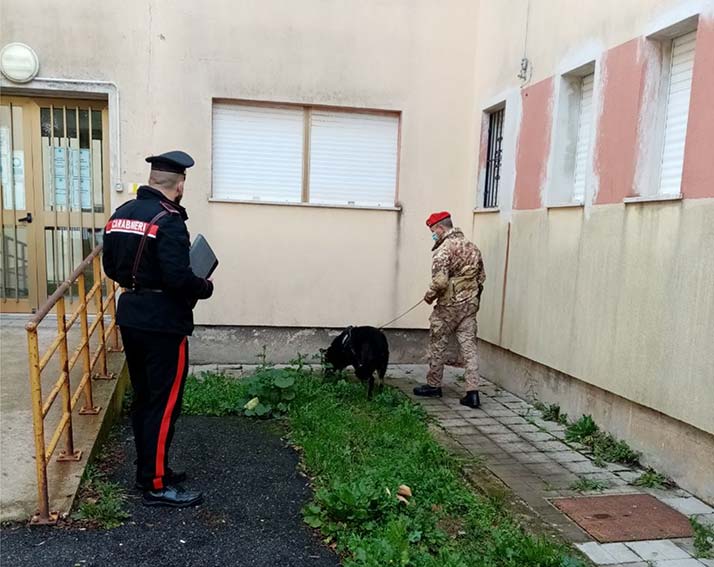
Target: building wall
(619,295)
(285,265)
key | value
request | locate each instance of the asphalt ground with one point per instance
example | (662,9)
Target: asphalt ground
(251,515)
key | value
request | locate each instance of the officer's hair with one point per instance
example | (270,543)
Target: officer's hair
(164,179)
(446,223)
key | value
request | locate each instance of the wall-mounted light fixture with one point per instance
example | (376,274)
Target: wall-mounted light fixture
(19,62)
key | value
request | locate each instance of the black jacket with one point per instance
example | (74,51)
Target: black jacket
(165,290)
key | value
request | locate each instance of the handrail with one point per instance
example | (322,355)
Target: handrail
(108,339)
(62,289)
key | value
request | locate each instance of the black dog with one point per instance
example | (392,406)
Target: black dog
(364,348)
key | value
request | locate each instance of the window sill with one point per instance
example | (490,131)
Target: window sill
(482,210)
(652,199)
(565,206)
(305,205)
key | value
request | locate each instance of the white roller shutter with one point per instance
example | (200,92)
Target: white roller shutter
(257,153)
(353,158)
(582,147)
(675,130)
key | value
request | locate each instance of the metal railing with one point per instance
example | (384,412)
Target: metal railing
(102,297)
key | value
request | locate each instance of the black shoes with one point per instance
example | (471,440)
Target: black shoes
(172,477)
(427,391)
(173,496)
(471,399)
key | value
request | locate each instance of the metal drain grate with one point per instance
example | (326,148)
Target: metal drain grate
(625,517)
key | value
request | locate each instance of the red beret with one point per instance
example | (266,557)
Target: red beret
(437,217)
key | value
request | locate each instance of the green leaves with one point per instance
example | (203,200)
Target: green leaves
(284,381)
(580,430)
(605,447)
(267,393)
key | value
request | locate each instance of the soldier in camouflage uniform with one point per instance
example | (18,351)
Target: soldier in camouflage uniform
(456,285)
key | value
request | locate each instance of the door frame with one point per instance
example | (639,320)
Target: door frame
(35,190)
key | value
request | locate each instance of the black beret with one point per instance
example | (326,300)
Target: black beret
(174,162)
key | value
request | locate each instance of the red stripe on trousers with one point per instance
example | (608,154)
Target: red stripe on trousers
(166,419)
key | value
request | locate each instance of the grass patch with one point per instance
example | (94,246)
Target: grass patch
(552,412)
(361,455)
(101,503)
(652,479)
(604,446)
(703,539)
(266,393)
(585,484)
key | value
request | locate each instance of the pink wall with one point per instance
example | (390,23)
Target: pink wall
(616,149)
(698,173)
(533,144)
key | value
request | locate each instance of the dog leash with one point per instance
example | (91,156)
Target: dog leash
(403,314)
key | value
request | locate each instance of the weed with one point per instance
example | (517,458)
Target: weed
(214,394)
(270,392)
(581,430)
(703,539)
(652,479)
(266,393)
(612,450)
(585,484)
(100,502)
(605,447)
(552,412)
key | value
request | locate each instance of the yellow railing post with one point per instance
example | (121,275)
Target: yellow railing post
(44,450)
(99,302)
(89,407)
(43,516)
(69,454)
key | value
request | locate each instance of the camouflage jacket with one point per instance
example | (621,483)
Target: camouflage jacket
(457,273)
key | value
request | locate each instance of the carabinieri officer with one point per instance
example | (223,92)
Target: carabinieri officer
(146,250)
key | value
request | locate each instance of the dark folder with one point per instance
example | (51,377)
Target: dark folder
(203,260)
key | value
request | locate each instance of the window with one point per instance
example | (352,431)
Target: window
(493,158)
(582,145)
(571,146)
(677,113)
(304,154)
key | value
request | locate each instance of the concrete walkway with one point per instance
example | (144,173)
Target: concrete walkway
(531,456)
(18,480)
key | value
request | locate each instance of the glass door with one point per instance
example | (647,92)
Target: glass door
(74,171)
(18,265)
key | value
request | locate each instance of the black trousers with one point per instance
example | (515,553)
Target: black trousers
(158,364)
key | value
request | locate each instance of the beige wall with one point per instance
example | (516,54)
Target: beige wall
(616,300)
(285,265)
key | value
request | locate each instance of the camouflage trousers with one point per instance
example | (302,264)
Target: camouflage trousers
(447,321)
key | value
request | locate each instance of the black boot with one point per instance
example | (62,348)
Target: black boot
(172,477)
(173,496)
(471,399)
(427,391)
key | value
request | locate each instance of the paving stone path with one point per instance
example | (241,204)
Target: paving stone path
(532,457)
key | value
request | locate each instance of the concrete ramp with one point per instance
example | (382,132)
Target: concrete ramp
(18,477)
